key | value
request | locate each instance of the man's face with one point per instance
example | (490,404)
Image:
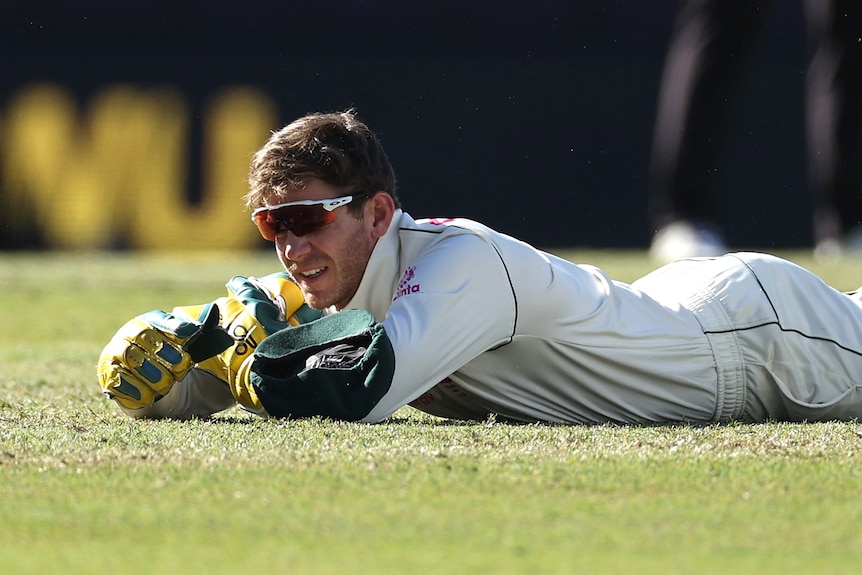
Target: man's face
(329,263)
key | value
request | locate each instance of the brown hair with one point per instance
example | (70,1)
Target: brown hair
(335,147)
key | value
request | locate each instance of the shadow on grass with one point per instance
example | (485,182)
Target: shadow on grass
(432,421)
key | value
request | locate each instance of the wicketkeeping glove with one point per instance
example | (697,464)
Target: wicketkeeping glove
(155,350)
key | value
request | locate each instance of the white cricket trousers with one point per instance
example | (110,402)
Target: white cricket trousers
(787,346)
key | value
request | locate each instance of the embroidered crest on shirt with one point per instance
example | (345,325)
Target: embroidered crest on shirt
(407,285)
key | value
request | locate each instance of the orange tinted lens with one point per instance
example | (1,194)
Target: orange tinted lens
(300,220)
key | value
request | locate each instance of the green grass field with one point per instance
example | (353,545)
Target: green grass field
(83,489)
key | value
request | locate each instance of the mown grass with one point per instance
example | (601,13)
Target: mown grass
(85,490)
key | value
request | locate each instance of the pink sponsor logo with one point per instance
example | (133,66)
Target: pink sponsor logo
(406,285)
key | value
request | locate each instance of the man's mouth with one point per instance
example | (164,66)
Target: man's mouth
(310,274)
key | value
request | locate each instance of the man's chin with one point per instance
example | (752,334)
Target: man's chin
(317,301)
(314,303)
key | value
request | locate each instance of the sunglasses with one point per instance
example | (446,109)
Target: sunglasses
(301,218)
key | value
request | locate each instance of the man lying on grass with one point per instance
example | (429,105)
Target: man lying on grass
(377,310)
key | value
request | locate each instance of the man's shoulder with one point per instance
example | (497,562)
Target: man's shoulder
(435,229)
(433,234)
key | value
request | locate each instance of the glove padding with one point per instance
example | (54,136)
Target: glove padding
(156,349)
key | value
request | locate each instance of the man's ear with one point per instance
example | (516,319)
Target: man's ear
(380,208)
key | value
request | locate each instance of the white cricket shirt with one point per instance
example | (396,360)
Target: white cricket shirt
(483,323)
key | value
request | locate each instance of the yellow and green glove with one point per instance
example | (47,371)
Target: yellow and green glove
(155,350)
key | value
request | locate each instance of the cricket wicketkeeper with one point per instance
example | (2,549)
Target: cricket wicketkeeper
(377,311)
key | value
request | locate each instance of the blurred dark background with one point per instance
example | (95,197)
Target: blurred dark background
(535,118)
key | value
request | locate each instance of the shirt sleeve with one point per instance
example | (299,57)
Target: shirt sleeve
(455,301)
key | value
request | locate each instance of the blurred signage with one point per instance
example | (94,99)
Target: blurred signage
(114,171)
